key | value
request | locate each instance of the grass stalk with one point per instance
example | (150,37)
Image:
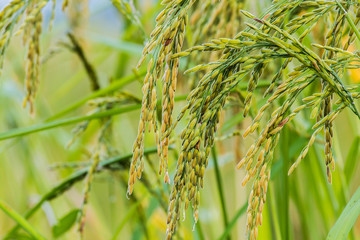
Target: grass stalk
(53,123)
(347,218)
(220,188)
(21,221)
(67,183)
(63,122)
(285,181)
(273,213)
(101,92)
(200,231)
(232,223)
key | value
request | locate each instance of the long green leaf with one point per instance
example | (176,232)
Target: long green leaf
(20,220)
(112,87)
(220,188)
(230,226)
(130,213)
(63,122)
(351,159)
(67,183)
(347,218)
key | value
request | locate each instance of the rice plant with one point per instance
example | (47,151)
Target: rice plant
(271,84)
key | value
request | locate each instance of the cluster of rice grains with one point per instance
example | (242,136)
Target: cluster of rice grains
(30,11)
(32,31)
(28,16)
(127,8)
(166,39)
(276,36)
(214,19)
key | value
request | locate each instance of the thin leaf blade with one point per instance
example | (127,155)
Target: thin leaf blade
(347,219)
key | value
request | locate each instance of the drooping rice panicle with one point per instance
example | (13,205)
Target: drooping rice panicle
(165,40)
(244,58)
(26,14)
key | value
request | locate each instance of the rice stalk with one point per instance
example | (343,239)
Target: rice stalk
(276,36)
(166,39)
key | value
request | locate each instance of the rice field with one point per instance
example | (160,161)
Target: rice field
(179,119)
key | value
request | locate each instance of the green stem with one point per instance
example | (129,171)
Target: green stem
(66,184)
(273,213)
(231,224)
(200,231)
(285,179)
(220,187)
(130,214)
(117,85)
(20,220)
(58,123)
(347,219)
(111,88)
(63,122)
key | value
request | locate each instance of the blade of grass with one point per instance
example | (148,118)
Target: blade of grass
(117,85)
(301,208)
(285,182)
(351,159)
(112,87)
(52,123)
(70,84)
(276,169)
(340,185)
(127,217)
(325,199)
(232,223)
(63,122)
(58,123)
(20,220)
(200,231)
(68,182)
(274,214)
(220,188)
(347,218)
